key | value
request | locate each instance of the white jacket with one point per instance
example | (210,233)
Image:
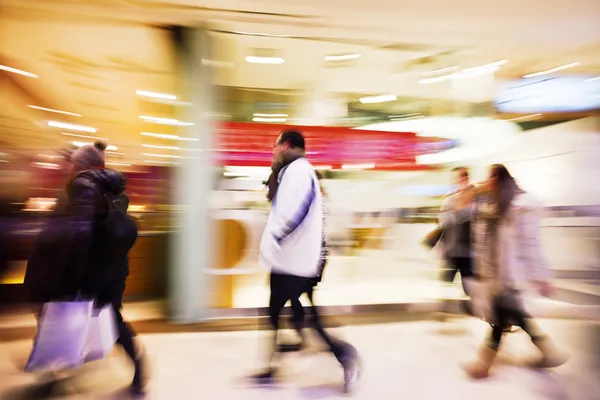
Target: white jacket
(291,242)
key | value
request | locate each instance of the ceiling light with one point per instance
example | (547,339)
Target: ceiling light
(552,70)
(46,165)
(493,65)
(119,164)
(156,95)
(153,146)
(83,136)
(54,111)
(467,72)
(161,155)
(63,125)
(343,57)
(264,60)
(378,99)
(18,71)
(593,79)
(165,121)
(167,136)
(270,115)
(114,153)
(442,70)
(260,119)
(81,144)
(51,156)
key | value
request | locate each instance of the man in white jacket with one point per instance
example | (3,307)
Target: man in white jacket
(291,245)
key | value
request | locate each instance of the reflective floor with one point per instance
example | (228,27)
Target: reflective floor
(410,360)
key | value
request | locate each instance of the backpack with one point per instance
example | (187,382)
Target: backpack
(119,230)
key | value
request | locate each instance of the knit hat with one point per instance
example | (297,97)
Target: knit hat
(89,156)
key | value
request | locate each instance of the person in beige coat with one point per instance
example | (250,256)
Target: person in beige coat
(509,260)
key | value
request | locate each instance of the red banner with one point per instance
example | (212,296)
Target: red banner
(251,144)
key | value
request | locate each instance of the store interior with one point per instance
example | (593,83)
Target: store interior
(386,120)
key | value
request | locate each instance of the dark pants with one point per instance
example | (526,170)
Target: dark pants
(286,288)
(464,265)
(126,334)
(508,309)
(113,294)
(314,321)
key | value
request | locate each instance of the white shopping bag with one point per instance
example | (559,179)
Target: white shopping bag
(102,334)
(61,336)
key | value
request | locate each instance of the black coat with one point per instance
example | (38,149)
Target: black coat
(70,251)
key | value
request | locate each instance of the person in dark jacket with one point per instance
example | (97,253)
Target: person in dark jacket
(89,270)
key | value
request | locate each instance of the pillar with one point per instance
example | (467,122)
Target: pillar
(191,247)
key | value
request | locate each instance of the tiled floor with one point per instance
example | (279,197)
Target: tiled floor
(412,360)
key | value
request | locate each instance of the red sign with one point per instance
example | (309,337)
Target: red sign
(251,144)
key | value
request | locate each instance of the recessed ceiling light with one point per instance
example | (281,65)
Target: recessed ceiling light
(73,127)
(552,70)
(441,70)
(18,71)
(153,146)
(54,111)
(161,155)
(264,60)
(156,95)
(165,121)
(343,57)
(378,99)
(493,65)
(46,165)
(167,136)
(467,72)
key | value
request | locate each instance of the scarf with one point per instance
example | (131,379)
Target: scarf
(493,211)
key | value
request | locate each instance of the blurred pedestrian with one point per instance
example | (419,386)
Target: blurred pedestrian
(291,246)
(509,261)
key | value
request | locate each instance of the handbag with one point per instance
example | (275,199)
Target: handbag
(62,333)
(432,238)
(102,334)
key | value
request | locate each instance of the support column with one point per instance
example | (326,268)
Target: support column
(192,246)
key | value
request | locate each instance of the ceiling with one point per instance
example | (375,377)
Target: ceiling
(91,56)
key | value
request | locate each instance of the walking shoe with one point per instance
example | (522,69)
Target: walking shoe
(266,378)
(139,382)
(290,347)
(552,357)
(480,368)
(352,373)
